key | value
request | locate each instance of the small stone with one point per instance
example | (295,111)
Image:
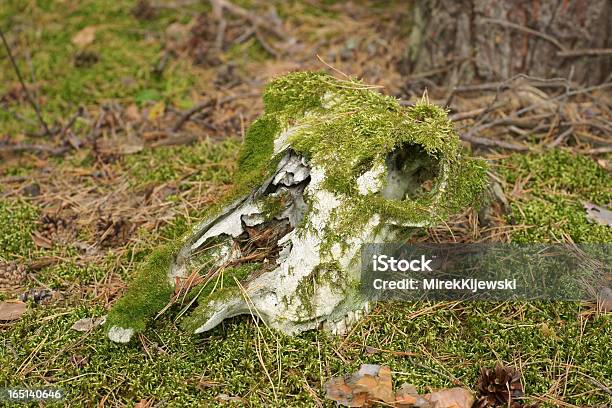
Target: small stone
(32,190)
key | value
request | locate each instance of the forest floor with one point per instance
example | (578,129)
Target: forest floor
(120,171)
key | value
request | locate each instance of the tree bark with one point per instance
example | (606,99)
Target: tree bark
(455,42)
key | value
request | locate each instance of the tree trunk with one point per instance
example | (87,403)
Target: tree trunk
(460,41)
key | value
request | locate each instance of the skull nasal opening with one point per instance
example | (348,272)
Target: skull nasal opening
(411,173)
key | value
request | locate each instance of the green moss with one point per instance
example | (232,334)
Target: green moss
(212,160)
(125,50)
(345,128)
(450,343)
(554,185)
(295,94)
(148,293)
(256,153)
(17,222)
(273,205)
(221,287)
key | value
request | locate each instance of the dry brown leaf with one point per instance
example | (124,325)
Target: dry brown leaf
(407,396)
(451,398)
(41,241)
(85,37)
(371,383)
(88,323)
(12,310)
(144,403)
(132,113)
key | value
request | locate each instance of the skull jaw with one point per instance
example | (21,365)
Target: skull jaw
(335,313)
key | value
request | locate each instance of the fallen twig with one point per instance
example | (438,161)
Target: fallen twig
(181,139)
(34,148)
(206,104)
(587,52)
(72,121)
(266,46)
(527,30)
(189,113)
(253,18)
(493,143)
(599,150)
(23,85)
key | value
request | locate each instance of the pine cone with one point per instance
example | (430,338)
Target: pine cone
(498,387)
(12,275)
(37,295)
(113,232)
(56,228)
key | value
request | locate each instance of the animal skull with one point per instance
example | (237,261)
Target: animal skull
(342,166)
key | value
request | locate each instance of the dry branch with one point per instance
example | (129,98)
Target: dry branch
(23,85)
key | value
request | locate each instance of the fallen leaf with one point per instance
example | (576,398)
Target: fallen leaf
(156,110)
(144,403)
(371,383)
(451,398)
(132,113)
(598,214)
(88,323)
(41,241)
(407,396)
(228,398)
(85,37)
(605,164)
(12,310)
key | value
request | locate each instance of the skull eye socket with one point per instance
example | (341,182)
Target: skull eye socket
(412,173)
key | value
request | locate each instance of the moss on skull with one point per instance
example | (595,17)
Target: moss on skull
(214,292)
(273,205)
(343,128)
(351,128)
(147,294)
(327,274)
(295,94)
(255,161)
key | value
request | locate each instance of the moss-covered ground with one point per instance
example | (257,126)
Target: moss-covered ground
(563,349)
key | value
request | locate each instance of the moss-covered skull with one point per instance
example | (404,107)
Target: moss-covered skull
(329,166)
